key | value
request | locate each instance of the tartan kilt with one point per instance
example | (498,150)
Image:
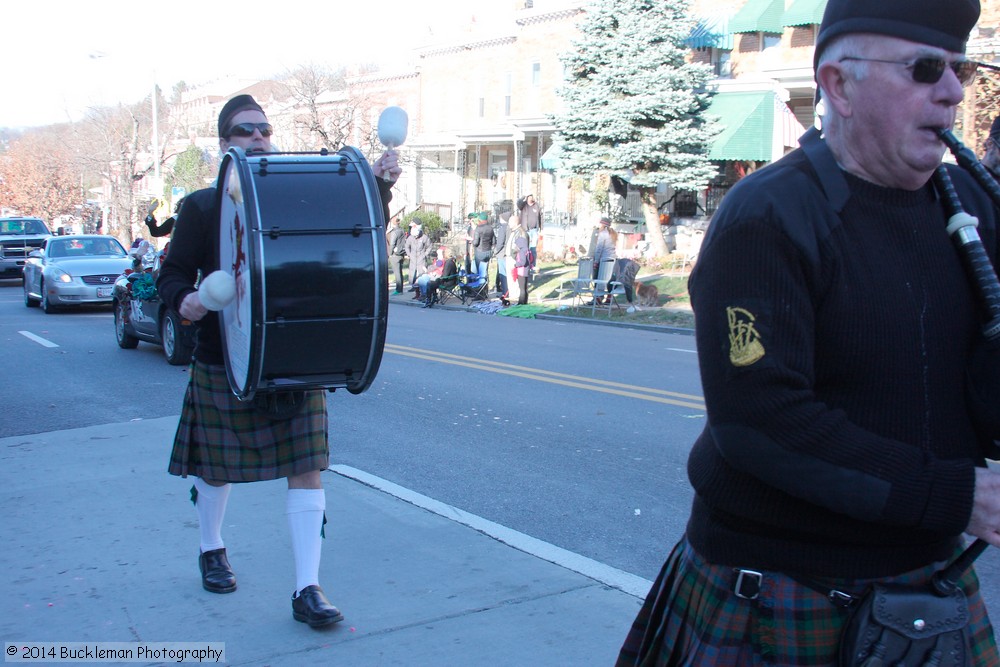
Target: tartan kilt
(692,617)
(221,438)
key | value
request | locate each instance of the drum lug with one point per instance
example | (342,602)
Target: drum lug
(280,321)
(275,232)
(262,166)
(356,232)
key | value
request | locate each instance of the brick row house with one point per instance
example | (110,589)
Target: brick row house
(480,103)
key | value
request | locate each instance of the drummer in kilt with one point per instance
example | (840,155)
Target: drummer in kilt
(221,440)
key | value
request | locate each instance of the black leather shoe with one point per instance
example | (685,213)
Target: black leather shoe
(311,606)
(216,574)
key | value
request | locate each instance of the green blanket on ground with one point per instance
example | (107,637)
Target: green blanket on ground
(527,310)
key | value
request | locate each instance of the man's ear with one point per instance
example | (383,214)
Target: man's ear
(833,80)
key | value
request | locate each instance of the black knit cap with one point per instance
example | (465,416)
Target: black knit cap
(233,107)
(942,23)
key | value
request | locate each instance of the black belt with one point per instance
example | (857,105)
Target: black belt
(746,585)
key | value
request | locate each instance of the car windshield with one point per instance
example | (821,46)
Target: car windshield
(96,247)
(22,226)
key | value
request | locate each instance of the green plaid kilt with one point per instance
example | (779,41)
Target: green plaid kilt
(220,438)
(692,617)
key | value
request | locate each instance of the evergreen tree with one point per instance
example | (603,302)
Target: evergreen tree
(634,104)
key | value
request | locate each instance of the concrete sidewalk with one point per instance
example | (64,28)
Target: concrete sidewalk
(101,544)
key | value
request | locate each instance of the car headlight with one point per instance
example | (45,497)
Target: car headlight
(61,276)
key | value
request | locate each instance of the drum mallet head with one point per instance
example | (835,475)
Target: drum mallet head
(392,124)
(217,290)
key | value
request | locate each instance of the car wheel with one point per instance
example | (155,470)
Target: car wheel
(126,341)
(46,304)
(28,301)
(174,348)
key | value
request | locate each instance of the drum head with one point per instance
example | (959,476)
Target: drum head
(237,256)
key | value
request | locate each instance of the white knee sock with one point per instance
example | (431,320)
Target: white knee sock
(211,506)
(305,509)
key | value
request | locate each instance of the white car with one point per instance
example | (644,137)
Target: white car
(73,271)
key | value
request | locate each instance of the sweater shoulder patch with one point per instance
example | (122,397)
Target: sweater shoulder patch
(746,346)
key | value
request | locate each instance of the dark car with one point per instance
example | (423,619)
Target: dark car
(18,237)
(141,315)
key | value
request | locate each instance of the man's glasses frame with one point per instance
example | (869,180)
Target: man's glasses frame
(928,69)
(247,130)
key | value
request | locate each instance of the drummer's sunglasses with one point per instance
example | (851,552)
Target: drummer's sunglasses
(246,129)
(929,69)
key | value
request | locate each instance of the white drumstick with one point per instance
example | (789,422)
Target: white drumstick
(392,125)
(217,290)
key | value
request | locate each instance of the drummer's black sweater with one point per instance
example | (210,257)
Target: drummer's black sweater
(834,339)
(193,249)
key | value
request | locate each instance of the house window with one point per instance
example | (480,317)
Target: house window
(482,107)
(771,41)
(497,166)
(722,65)
(536,74)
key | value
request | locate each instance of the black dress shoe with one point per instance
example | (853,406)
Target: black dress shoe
(311,606)
(216,574)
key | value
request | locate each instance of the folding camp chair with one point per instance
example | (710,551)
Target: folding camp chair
(582,284)
(602,285)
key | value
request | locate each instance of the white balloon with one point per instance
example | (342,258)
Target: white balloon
(217,290)
(392,125)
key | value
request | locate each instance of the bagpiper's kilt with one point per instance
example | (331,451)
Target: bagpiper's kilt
(692,617)
(221,438)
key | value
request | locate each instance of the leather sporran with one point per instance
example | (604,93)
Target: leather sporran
(903,625)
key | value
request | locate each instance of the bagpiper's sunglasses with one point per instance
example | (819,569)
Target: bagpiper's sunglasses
(246,130)
(929,69)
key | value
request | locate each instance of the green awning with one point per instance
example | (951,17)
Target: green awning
(551,158)
(748,126)
(804,12)
(711,31)
(759,16)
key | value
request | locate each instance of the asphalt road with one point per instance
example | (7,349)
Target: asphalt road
(574,434)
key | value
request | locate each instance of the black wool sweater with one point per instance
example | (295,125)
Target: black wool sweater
(835,325)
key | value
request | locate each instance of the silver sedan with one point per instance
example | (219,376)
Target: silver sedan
(73,271)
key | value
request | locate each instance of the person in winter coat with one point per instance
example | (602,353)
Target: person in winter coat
(514,232)
(522,267)
(396,240)
(605,248)
(418,247)
(483,242)
(498,251)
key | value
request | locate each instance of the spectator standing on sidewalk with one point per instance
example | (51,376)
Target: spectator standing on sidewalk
(483,244)
(514,232)
(530,214)
(396,240)
(418,247)
(498,251)
(221,440)
(837,453)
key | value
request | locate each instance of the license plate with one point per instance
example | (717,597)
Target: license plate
(104,291)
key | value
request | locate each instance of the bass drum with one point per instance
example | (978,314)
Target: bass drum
(303,235)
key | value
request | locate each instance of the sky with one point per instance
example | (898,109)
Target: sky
(60,58)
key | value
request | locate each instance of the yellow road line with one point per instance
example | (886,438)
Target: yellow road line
(578,382)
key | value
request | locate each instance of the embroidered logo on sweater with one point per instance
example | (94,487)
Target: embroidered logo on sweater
(745,347)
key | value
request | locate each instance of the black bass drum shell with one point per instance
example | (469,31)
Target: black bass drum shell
(303,235)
